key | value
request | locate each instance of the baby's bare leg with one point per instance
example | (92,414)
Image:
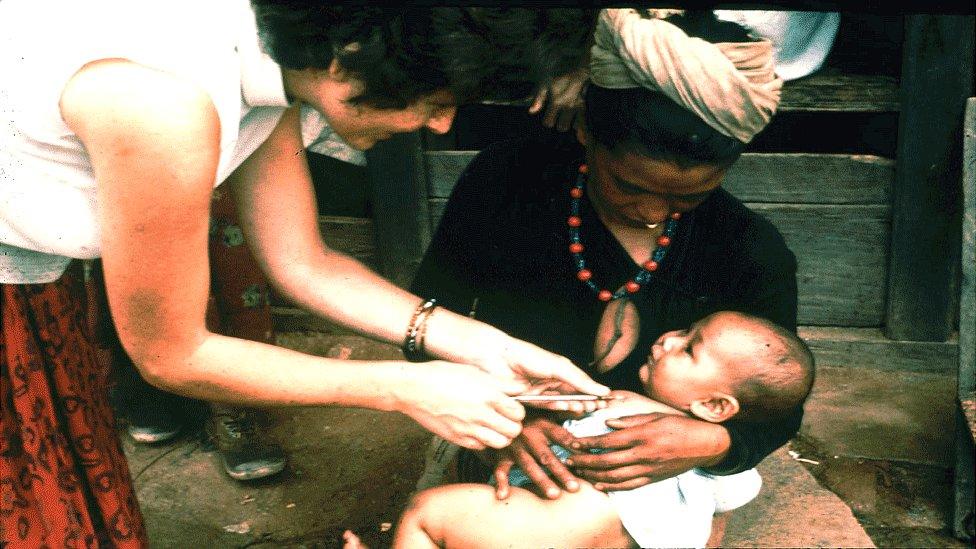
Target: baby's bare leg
(469,516)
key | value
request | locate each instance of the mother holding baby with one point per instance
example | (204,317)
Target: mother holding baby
(593,249)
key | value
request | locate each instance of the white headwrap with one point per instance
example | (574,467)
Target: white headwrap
(731,86)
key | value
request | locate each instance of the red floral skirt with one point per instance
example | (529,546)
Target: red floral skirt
(64,481)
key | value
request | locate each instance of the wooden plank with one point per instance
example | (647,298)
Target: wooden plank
(399,205)
(811,178)
(825,91)
(841,259)
(354,236)
(853,233)
(937,77)
(756,177)
(869,348)
(831,91)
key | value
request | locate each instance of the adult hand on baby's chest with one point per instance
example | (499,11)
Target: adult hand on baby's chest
(646,448)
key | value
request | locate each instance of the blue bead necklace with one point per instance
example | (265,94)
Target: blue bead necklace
(576,248)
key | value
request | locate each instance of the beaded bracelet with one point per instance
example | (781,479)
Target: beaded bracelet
(413,344)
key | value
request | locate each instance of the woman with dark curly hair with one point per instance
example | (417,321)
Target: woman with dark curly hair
(117,120)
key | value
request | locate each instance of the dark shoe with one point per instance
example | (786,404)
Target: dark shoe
(244,452)
(152,421)
(153,415)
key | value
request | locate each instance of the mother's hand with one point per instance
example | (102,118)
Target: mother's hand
(531,451)
(648,448)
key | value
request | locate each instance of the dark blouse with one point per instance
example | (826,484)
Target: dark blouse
(503,239)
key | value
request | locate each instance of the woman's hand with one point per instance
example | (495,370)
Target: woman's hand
(460,403)
(559,388)
(515,360)
(531,452)
(648,448)
(460,339)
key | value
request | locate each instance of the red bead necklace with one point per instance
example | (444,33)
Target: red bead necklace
(643,276)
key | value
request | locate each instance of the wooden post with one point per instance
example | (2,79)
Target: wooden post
(937,77)
(400,212)
(967,300)
(962,522)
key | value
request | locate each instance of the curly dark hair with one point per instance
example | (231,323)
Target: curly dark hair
(650,123)
(402,54)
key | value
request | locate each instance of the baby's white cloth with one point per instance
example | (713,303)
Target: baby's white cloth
(675,512)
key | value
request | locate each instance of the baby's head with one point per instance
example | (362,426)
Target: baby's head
(730,364)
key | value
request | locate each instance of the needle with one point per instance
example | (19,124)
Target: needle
(556,398)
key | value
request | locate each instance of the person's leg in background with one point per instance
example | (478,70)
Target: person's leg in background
(241,301)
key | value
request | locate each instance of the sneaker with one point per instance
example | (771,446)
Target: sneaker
(245,454)
(438,464)
(152,415)
(152,420)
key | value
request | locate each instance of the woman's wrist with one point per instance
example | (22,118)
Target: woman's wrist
(401,394)
(457,338)
(413,346)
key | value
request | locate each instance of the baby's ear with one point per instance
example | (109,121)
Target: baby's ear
(716,409)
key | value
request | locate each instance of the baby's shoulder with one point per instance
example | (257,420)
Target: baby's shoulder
(635,403)
(626,404)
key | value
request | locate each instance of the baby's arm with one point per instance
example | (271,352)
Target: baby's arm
(469,516)
(635,404)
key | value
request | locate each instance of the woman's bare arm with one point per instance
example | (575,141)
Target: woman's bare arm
(277,206)
(153,142)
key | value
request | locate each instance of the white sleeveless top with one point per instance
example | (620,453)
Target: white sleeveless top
(48,206)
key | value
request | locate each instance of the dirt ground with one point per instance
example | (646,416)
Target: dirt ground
(899,504)
(352,468)
(348,468)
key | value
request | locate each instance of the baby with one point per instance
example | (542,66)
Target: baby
(726,365)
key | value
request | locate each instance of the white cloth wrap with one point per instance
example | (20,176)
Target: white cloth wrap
(732,87)
(677,511)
